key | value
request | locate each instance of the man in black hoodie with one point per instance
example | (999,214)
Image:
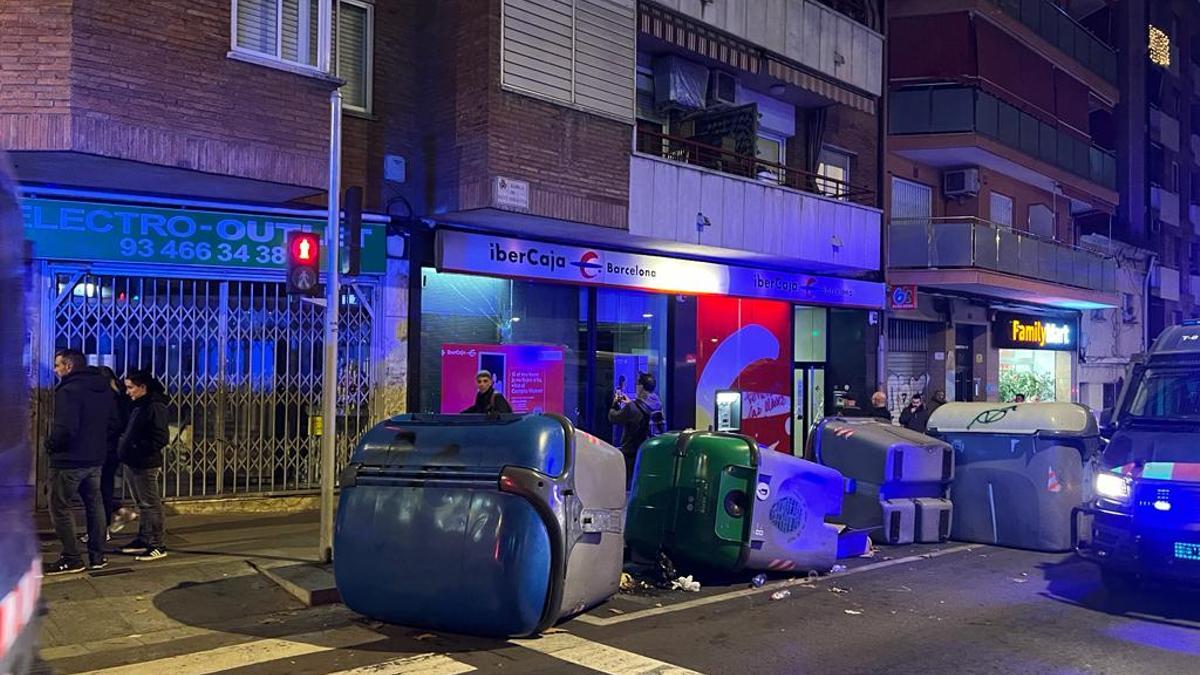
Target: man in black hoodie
(85,418)
(141,450)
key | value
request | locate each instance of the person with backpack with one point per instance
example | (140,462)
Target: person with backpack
(641,418)
(488,401)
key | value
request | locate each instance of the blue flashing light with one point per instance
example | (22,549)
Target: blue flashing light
(1162,505)
(1191,322)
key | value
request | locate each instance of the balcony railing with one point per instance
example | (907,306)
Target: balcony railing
(951,109)
(1058,28)
(689,151)
(971,243)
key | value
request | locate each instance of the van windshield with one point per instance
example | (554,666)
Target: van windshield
(1167,395)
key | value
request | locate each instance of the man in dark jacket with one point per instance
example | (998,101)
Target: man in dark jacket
(641,418)
(879,409)
(488,401)
(85,418)
(915,415)
(141,451)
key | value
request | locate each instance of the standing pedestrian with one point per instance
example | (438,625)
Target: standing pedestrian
(879,409)
(141,450)
(488,401)
(115,516)
(641,418)
(915,415)
(85,415)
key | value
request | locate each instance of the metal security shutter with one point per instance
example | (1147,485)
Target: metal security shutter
(538,47)
(258,26)
(354,53)
(604,56)
(911,201)
(907,362)
(577,52)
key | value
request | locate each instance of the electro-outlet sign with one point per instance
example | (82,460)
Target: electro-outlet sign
(1021,331)
(519,258)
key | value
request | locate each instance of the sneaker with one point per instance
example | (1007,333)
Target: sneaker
(108,533)
(97,564)
(122,518)
(152,554)
(62,566)
(135,547)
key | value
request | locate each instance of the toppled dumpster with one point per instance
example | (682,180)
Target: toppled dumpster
(1020,470)
(720,501)
(896,479)
(495,526)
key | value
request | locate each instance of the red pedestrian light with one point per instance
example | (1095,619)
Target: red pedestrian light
(305,247)
(303,256)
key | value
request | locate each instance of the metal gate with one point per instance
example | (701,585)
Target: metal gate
(242,365)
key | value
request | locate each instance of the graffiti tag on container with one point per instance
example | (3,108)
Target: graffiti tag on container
(992,415)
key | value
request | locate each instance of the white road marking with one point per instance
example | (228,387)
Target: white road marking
(766,588)
(576,650)
(424,664)
(249,653)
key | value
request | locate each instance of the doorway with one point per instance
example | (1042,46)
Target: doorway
(966,384)
(808,404)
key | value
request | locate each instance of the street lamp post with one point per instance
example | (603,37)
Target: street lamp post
(329,376)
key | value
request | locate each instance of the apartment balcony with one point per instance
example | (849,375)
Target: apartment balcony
(1166,204)
(1164,129)
(1059,29)
(953,126)
(701,197)
(837,38)
(970,255)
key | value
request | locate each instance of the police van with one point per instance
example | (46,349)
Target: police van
(1145,517)
(20,562)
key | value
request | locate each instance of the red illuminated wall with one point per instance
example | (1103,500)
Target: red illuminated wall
(746,345)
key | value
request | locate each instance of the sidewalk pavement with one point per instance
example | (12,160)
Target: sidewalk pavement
(214,574)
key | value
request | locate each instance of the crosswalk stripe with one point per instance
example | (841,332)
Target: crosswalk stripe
(249,653)
(425,664)
(576,650)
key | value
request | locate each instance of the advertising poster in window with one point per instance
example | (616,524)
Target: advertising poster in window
(746,345)
(531,377)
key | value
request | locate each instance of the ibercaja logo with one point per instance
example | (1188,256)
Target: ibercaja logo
(589,264)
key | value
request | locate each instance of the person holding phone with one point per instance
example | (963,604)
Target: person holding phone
(488,401)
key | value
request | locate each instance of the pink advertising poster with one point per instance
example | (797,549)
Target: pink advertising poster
(529,376)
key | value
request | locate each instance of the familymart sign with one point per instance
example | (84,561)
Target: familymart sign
(97,231)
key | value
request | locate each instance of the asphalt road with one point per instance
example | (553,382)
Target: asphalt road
(961,610)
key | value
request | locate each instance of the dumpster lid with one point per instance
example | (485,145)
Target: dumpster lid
(1064,419)
(476,442)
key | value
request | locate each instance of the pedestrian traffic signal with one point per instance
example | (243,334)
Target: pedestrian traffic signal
(303,256)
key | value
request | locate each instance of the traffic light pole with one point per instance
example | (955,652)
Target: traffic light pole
(329,376)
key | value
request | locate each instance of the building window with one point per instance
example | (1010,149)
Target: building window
(911,201)
(288,32)
(283,30)
(1001,209)
(1041,221)
(772,150)
(355,28)
(834,168)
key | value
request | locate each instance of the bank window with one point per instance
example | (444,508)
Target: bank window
(834,168)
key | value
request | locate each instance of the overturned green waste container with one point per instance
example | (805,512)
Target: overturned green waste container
(719,501)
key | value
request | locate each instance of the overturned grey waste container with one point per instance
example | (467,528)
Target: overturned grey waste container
(896,479)
(1020,470)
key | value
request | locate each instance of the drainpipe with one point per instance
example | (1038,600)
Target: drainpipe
(1151,262)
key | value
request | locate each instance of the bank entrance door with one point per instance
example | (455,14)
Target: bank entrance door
(808,403)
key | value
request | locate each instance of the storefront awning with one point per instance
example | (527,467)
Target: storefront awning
(1005,287)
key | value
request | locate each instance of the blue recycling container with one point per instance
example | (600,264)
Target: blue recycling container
(469,524)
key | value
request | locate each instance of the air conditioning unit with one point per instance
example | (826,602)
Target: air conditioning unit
(960,183)
(722,88)
(679,85)
(1099,315)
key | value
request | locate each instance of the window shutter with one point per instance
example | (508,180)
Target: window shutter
(257,26)
(354,45)
(605,52)
(291,50)
(538,47)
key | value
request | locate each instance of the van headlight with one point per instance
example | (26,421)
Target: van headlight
(1113,487)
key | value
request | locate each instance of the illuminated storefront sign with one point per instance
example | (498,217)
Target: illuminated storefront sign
(511,257)
(1023,331)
